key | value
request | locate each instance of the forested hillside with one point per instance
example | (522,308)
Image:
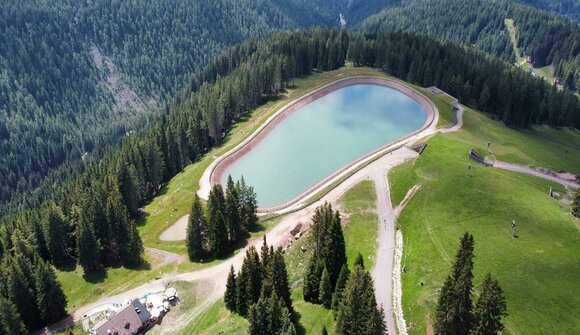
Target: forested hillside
(76,76)
(570,8)
(547,39)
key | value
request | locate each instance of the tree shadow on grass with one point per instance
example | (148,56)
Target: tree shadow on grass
(300,330)
(99,276)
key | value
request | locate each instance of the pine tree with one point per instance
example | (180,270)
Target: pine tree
(248,205)
(269,316)
(216,202)
(325,290)
(218,235)
(88,248)
(334,249)
(258,318)
(312,280)
(490,308)
(278,276)
(242,303)
(358,312)
(339,288)
(359,261)
(464,285)
(127,187)
(133,249)
(195,230)
(50,298)
(21,293)
(265,254)
(56,234)
(454,309)
(10,322)
(321,220)
(445,314)
(231,293)
(232,210)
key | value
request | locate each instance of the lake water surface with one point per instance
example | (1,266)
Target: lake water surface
(323,136)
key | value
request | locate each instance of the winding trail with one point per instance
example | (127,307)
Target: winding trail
(536,173)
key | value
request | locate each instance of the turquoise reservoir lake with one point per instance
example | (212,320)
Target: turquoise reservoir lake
(322,137)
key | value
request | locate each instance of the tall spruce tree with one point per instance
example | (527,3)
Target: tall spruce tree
(334,249)
(490,308)
(231,292)
(21,292)
(50,298)
(269,316)
(248,205)
(454,309)
(56,234)
(311,290)
(325,290)
(232,211)
(265,253)
(195,230)
(88,248)
(218,235)
(10,321)
(127,187)
(358,312)
(339,289)
(277,275)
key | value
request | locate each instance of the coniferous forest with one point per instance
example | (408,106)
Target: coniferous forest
(86,212)
(547,39)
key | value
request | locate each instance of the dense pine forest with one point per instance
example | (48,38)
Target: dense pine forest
(76,77)
(570,8)
(547,39)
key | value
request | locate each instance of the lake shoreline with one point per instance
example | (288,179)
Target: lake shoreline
(215,171)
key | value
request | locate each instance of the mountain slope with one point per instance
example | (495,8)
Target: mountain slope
(547,39)
(77,76)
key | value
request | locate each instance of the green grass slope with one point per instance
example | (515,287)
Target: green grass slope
(538,270)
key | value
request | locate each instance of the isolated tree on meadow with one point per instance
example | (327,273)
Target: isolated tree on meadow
(490,308)
(454,309)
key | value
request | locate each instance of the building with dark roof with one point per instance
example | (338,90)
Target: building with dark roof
(127,321)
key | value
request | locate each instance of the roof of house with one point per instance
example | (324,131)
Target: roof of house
(125,322)
(141,310)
